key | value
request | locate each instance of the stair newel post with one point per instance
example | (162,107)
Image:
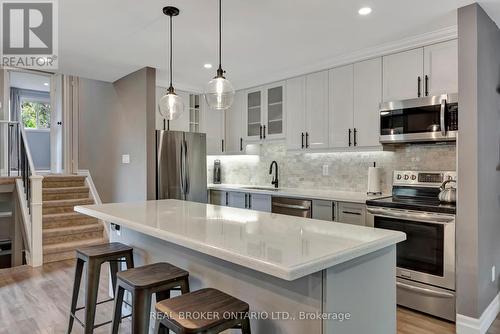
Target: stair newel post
(36,221)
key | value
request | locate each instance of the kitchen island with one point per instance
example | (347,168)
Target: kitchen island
(298,275)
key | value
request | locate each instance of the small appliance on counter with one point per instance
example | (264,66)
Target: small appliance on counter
(217,172)
(374,180)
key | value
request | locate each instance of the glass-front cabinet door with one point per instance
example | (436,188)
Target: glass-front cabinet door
(274,127)
(265,112)
(254,115)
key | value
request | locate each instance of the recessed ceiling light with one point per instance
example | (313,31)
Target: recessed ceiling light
(45,83)
(365,11)
(207,66)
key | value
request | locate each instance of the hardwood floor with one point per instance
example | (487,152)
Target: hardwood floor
(36,301)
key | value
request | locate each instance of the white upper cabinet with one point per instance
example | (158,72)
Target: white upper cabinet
(296,113)
(234,125)
(403,75)
(341,106)
(213,126)
(265,112)
(441,68)
(367,98)
(317,110)
(427,71)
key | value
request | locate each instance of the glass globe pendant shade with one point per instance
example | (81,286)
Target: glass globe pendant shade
(219,93)
(171,106)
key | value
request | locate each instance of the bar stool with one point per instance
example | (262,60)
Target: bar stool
(94,257)
(143,282)
(222,312)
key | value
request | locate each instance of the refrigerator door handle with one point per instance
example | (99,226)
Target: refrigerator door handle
(186,169)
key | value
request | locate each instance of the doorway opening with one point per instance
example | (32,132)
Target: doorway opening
(33,105)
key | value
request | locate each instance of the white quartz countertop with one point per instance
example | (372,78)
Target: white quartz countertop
(327,195)
(282,246)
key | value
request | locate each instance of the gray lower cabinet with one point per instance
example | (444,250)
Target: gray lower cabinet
(352,213)
(218,197)
(237,200)
(260,202)
(249,201)
(324,210)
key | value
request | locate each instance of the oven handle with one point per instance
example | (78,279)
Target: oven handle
(443,119)
(439,219)
(424,290)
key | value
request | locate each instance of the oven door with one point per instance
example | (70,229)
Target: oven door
(428,254)
(425,119)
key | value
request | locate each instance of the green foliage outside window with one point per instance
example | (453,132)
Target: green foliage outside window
(35,115)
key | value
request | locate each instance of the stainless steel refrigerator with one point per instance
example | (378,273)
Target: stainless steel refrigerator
(181,166)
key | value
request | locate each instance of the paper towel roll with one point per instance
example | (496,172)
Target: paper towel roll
(374,180)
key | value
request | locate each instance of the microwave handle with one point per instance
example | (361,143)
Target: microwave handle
(443,119)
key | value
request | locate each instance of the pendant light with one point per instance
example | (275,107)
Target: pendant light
(171,105)
(219,92)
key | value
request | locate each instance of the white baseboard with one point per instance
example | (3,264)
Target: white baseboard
(468,325)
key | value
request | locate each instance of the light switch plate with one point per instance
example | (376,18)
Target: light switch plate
(125,159)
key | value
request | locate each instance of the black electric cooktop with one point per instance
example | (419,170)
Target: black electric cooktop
(415,204)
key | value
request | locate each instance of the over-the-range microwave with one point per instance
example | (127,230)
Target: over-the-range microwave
(427,119)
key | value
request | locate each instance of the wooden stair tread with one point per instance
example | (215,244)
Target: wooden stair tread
(64,216)
(67,202)
(72,245)
(62,178)
(72,229)
(65,190)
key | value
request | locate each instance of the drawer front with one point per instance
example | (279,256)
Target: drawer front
(352,213)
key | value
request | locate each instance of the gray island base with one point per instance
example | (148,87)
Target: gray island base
(298,275)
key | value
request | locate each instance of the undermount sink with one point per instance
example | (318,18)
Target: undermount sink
(262,188)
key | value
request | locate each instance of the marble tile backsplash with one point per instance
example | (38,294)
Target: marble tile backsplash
(347,171)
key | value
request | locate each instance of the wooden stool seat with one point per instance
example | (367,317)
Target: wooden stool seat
(93,257)
(103,250)
(152,275)
(142,282)
(223,312)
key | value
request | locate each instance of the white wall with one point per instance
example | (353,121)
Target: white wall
(115,119)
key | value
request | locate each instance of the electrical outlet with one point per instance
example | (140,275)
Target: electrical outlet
(493,274)
(325,170)
(125,159)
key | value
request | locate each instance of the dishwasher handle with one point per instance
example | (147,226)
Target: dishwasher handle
(292,206)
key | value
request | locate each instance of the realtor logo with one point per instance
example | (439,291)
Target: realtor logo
(29,33)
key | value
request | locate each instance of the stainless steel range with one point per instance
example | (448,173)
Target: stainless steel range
(426,260)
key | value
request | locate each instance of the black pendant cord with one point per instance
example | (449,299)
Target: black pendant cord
(220,72)
(171,88)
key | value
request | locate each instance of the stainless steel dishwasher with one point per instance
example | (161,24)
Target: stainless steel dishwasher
(292,207)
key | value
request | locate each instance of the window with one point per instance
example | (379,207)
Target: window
(35,114)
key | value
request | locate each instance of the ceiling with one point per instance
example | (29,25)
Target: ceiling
(29,81)
(264,40)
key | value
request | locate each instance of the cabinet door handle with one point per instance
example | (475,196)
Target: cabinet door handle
(307,139)
(222,145)
(261,132)
(241,144)
(302,135)
(264,132)
(426,85)
(249,201)
(333,212)
(227,198)
(355,137)
(419,84)
(350,143)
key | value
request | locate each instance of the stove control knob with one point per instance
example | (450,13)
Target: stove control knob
(399,177)
(407,177)
(413,177)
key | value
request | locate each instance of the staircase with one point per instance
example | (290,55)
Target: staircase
(64,230)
